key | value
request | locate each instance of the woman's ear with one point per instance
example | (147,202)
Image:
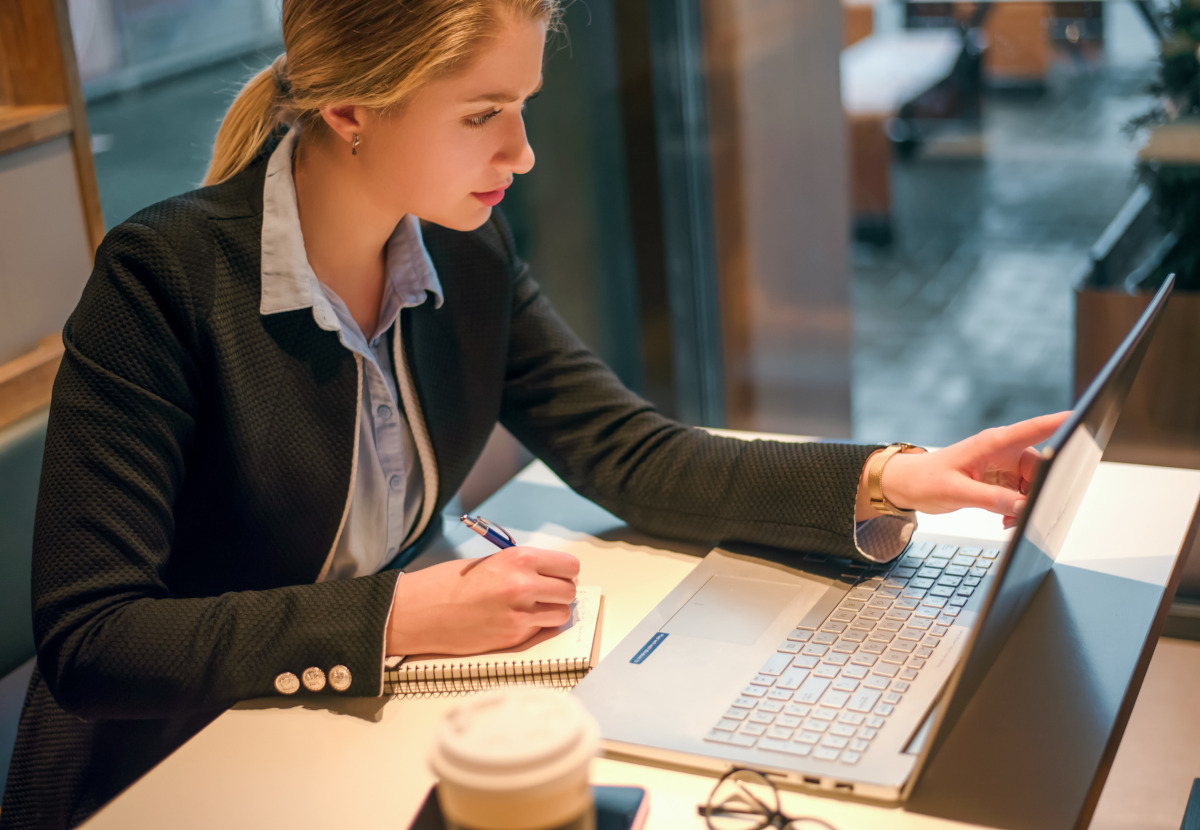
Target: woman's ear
(344,119)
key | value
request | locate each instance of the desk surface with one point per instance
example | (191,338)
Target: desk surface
(363,762)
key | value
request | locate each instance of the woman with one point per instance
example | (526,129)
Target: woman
(273,385)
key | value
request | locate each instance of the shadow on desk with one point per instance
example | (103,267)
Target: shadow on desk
(364,708)
(1033,747)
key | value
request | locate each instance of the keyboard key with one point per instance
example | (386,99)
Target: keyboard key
(779,733)
(826,670)
(845,684)
(950,612)
(850,757)
(934,602)
(859,744)
(912,593)
(735,713)
(990,553)
(824,753)
(875,721)
(938,630)
(791,648)
(863,700)
(789,721)
(836,658)
(957,570)
(916,663)
(775,665)
(823,638)
(834,699)
(978,572)
(862,659)
(811,690)
(745,702)
(852,605)
(972,581)
(920,622)
(910,633)
(771,706)
(892,697)
(907,603)
(942,591)
(872,647)
(733,738)
(762,680)
(897,614)
(807,737)
(853,636)
(884,709)
(799,710)
(759,716)
(871,614)
(753,729)
(868,732)
(799,635)
(923,651)
(907,646)
(900,685)
(887,670)
(875,681)
(958,601)
(908,674)
(893,656)
(903,571)
(835,741)
(805,661)
(833,626)
(964,559)
(852,718)
(792,678)
(727,724)
(815,725)
(888,591)
(854,672)
(918,582)
(948,582)
(889,625)
(816,649)
(927,612)
(754,691)
(780,694)
(929,573)
(844,730)
(824,713)
(946,550)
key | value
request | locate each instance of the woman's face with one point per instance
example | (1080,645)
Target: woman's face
(448,155)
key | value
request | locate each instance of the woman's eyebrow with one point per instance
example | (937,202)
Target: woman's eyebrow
(501,97)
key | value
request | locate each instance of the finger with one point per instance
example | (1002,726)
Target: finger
(1027,465)
(550,614)
(993,497)
(554,563)
(552,589)
(1032,431)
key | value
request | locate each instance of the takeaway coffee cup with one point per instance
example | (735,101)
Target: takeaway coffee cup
(516,759)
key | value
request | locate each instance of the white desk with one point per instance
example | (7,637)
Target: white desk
(362,763)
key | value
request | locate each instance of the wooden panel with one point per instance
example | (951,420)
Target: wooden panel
(25,383)
(1018,42)
(1175,143)
(22,126)
(31,53)
(858,20)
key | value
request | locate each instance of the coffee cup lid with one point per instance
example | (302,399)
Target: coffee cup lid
(513,738)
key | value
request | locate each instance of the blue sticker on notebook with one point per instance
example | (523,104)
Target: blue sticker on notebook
(648,649)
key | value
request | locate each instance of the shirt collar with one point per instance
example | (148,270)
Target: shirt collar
(288,281)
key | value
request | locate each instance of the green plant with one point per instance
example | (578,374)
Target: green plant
(1176,187)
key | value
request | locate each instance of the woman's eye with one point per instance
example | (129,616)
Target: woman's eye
(480,120)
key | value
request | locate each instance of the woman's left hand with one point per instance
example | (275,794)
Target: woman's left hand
(992,469)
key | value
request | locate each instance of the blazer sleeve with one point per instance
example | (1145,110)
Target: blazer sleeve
(665,478)
(114,640)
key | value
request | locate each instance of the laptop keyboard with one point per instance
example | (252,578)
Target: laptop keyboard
(828,690)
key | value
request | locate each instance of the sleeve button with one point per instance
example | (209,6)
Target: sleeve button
(339,678)
(287,683)
(314,679)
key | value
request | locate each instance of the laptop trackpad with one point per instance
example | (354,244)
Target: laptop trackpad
(734,609)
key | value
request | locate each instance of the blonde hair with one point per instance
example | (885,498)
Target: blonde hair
(373,53)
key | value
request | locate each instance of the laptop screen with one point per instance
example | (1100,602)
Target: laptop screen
(1072,456)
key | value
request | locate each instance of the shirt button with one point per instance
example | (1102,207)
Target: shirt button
(384,412)
(395,482)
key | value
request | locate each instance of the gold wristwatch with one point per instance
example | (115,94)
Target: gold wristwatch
(875,479)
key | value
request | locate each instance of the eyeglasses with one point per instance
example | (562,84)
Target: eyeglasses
(745,799)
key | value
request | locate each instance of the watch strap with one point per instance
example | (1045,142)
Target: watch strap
(875,478)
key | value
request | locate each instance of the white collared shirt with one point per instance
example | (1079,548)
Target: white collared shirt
(388,485)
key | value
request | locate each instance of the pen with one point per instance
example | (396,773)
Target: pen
(495,534)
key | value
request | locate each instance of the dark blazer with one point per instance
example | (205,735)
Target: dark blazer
(198,464)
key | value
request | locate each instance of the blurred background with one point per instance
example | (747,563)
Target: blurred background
(863,219)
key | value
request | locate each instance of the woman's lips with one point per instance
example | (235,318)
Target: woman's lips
(492,197)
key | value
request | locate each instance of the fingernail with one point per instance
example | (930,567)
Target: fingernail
(1019,506)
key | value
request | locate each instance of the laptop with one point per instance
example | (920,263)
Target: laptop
(837,675)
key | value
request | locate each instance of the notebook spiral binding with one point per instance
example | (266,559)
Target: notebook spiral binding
(473,677)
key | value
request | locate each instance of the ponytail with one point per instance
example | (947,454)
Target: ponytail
(261,104)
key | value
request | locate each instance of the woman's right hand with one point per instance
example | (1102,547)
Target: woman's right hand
(475,605)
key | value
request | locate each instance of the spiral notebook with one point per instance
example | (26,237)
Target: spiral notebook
(554,657)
